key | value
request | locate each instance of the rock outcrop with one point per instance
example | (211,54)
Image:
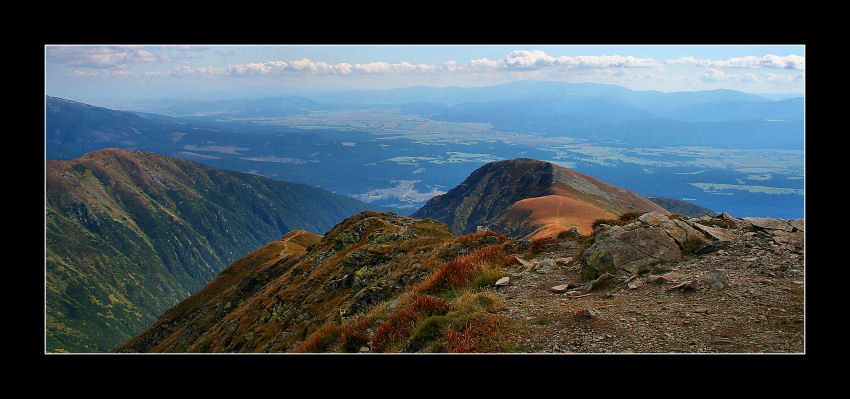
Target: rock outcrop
(657,239)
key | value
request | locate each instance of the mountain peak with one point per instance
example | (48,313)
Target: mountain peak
(526,197)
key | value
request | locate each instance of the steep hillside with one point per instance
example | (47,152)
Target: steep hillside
(274,299)
(129,234)
(529,198)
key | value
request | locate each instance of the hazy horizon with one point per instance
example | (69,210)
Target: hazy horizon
(105,73)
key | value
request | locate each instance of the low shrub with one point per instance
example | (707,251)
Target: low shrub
(320,340)
(399,325)
(692,244)
(355,334)
(462,270)
(539,244)
(629,217)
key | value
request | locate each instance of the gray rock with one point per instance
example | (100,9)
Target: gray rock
(794,239)
(503,281)
(717,279)
(679,230)
(717,233)
(799,224)
(769,223)
(558,289)
(588,313)
(629,250)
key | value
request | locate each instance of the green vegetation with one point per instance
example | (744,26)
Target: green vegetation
(691,245)
(449,311)
(121,248)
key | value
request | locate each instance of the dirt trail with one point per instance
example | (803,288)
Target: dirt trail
(760,311)
(285,242)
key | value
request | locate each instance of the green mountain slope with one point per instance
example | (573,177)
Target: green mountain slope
(129,234)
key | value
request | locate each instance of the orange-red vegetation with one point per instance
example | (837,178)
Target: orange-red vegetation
(320,340)
(480,334)
(462,269)
(556,213)
(355,334)
(400,323)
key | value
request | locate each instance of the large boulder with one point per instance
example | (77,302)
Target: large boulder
(679,230)
(619,249)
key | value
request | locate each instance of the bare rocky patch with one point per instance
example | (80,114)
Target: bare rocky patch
(741,292)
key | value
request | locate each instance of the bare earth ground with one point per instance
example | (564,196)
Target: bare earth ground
(759,310)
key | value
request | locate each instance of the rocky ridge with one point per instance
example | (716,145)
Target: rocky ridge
(739,289)
(646,284)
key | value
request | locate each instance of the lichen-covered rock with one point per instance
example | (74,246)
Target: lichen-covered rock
(628,250)
(679,230)
(717,279)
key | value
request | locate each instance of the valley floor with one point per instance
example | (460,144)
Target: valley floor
(757,307)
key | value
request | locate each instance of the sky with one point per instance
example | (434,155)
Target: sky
(103,73)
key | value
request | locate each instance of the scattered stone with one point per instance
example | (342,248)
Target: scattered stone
(795,239)
(559,289)
(717,279)
(686,286)
(546,264)
(503,281)
(588,313)
(798,224)
(564,260)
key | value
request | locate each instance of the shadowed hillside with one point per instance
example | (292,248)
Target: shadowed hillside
(129,234)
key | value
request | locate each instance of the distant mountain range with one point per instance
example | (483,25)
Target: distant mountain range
(129,234)
(582,110)
(525,98)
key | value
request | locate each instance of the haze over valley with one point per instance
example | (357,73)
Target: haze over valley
(399,155)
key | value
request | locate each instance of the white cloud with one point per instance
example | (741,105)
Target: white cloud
(712,75)
(792,61)
(538,59)
(690,61)
(781,78)
(103,57)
